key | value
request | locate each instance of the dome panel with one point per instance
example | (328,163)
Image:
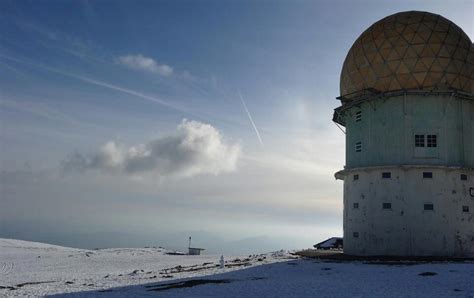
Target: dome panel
(406,51)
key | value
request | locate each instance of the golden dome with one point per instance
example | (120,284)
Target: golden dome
(410,51)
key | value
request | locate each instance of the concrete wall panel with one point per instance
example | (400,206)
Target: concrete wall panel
(406,228)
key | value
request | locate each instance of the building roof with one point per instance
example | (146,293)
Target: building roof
(333,242)
(410,50)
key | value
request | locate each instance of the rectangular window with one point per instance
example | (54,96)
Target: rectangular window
(431,141)
(358,116)
(427,175)
(355,234)
(356,205)
(465,208)
(386,175)
(356,177)
(358,147)
(429,207)
(463,177)
(419,140)
(387,205)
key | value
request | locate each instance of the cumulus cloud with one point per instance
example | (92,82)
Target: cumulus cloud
(196,148)
(139,62)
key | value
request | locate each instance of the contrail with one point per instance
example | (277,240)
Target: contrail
(13,69)
(103,84)
(127,91)
(250,118)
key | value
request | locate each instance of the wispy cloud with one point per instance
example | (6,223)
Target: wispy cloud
(251,119)
(38,109)
(140,62)
(104,84)
(196,148)
(13,69)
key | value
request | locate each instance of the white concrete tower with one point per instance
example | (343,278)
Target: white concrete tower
(407,102)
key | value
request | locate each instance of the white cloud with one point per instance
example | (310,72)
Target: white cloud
(140,62)
(196,148)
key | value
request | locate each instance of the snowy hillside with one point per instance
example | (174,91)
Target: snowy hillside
(310,278)
(30,268)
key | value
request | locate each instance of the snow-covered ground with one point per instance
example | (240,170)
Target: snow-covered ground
(31,268)
(150,272)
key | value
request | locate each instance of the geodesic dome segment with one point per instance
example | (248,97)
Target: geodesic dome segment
(410,51)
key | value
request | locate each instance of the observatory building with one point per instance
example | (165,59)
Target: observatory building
(407,105)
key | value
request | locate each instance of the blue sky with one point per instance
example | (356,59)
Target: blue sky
(93,100)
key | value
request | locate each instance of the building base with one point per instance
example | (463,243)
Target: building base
(409,211)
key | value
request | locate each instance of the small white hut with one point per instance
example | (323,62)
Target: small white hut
(194,251)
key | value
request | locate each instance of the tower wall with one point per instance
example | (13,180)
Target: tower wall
(386,128)
(402,199)
(387,216)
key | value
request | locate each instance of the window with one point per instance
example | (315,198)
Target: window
(358,147)
(386,175)
(356,205)
(355,234)
(419,140)
(464,177)
(426,146)
(356,177)
(358,116)
(387,205)
(429,207)
(431,141)
(427,175)
(465,208)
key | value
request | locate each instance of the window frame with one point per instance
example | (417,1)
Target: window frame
(427,175)
(427,208)
(432,141)
(420,141)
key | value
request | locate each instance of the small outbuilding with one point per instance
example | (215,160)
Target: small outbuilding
(194,251)
(331,243)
